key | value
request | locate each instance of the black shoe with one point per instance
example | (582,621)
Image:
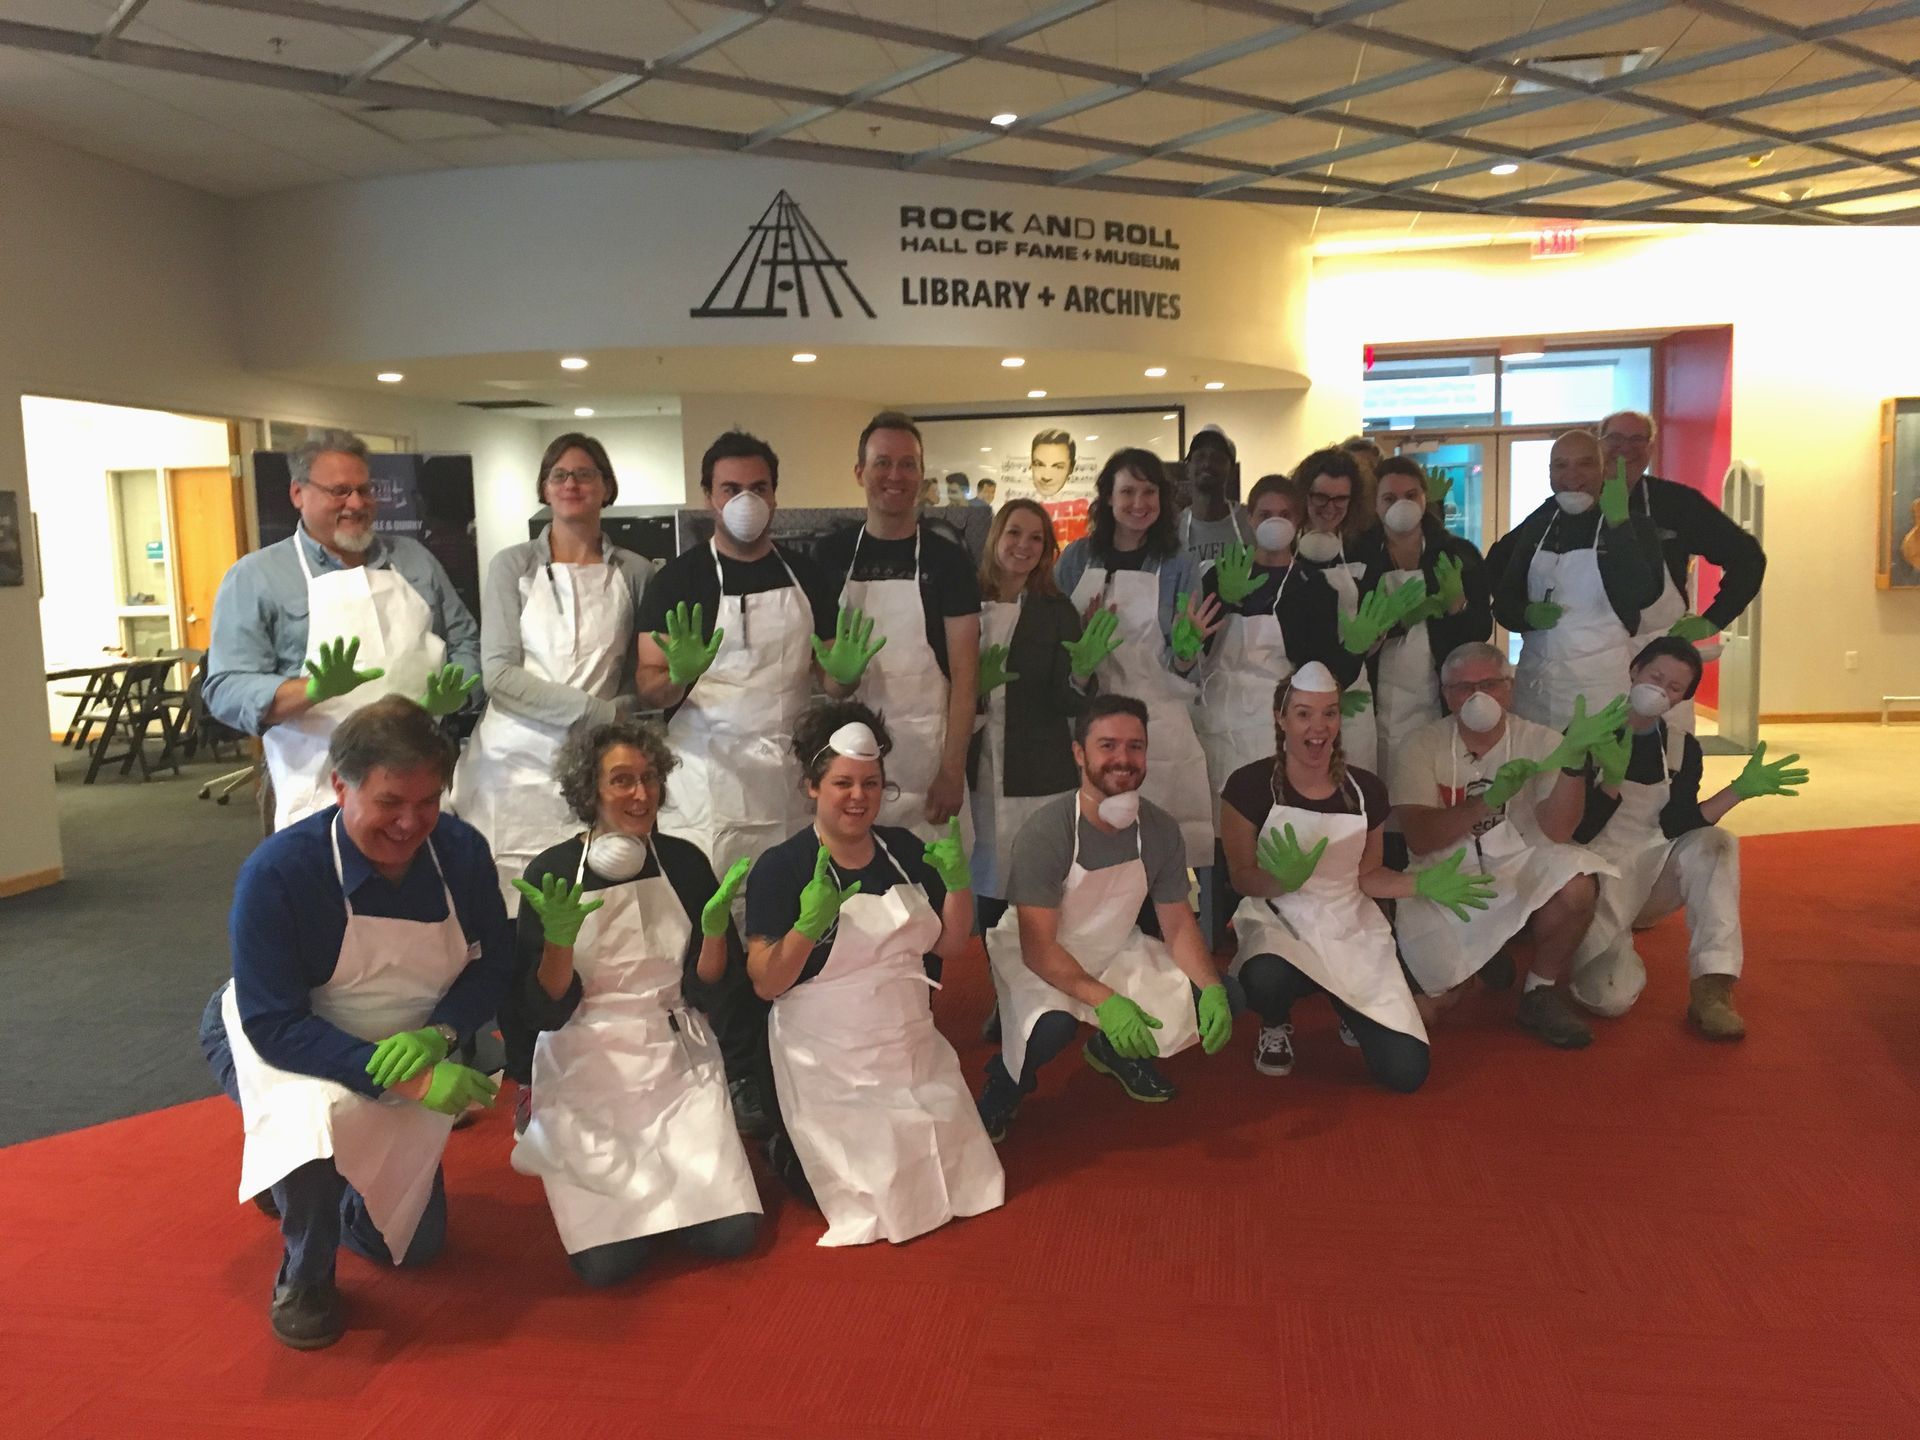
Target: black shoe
(264,1203)
(306,1317)
(784,1161)
(1141,1079)
(999,1101)
(750,1116)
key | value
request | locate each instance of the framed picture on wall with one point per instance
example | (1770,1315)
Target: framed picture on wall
(13,545)
(1898,561)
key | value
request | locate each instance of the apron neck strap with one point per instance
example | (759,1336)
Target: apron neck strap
(586,844)
(1073,858)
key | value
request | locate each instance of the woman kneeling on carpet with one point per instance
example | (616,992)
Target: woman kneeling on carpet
(1302,834)
(630,1125)
(844,922)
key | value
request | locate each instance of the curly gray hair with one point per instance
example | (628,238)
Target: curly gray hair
(323,442)
(577,767)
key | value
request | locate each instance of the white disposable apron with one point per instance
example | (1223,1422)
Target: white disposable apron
(1359,734)
(871,1092)
(1527,869)
(737,789)
(1176,765)
(1098,910)
(1585,653)
(394,626)
(997,816)
(630,1126)
(1407,694)
(1327,929)
(1659,617)
(1632,840)
(576,623)
(388,978)
(1234,714)
(905,683)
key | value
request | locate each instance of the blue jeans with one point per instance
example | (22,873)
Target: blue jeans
(1053,1029)
(319,1211)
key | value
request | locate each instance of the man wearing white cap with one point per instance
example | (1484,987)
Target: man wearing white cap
(1515,791)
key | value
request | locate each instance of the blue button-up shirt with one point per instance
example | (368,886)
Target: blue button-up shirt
(289,919)
(259,637)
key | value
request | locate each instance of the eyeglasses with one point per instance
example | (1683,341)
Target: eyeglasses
(574,477)
(1470,686)
(340,494)
(1327,502)
(624,784)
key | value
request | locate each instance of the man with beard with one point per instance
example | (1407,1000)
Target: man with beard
(1070,948)
(1215,519)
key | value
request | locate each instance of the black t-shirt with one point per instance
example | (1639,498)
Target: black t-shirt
(1249,790)
(948,584)
(1308,609)
(781,873)
(690,578)
(1647,765)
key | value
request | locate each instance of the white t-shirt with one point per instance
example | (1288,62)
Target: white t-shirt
(1433,767)
(1205,539)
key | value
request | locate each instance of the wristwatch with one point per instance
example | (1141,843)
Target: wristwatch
(447,1033)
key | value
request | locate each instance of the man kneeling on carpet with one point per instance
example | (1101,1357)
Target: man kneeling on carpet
(369,943)
(1070,949)
(1644,813)
(622,929)
(1514,790)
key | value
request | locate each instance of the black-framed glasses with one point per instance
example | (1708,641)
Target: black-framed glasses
(574,477)
(340,494)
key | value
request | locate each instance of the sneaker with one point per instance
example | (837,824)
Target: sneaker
(1347,1037)
(306,1317)
(999,1101)
(1273,1054)
(1711,1008)
(1545,1012)
(750,1116)
(1141,1079)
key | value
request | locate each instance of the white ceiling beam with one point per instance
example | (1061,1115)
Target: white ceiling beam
(128,12)
(430,29)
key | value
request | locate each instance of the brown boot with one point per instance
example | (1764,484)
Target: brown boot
(1711,1008)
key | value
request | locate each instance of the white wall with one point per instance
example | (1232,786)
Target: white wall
(814,438)
(645,450)
(1822,332)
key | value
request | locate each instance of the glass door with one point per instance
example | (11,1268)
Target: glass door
(1470,462)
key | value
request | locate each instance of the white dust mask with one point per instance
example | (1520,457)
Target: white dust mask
(617,856)
(1573,502)
(1649,702)
(1481,712)
(1319,546)
(1276,532)
(745,517)
(1402,517)
(1120,810)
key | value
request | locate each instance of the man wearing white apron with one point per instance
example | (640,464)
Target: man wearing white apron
(313,627)
(369,943)
(918,596)
(1334,490)
(1069,950)
(1512,791)
(1644,813)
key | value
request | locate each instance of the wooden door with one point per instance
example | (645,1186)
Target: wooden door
(206,539)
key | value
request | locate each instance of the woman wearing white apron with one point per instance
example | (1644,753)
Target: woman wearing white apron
(1336,513)
(630,1125)
(1131,563)
(843,922)
(1303,837)
(556,638)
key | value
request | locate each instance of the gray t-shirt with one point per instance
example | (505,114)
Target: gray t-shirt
(1205,539)
(1043,853)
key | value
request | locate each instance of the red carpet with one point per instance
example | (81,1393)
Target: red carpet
(1656,1237)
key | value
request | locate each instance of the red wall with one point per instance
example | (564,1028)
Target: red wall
(1695,442)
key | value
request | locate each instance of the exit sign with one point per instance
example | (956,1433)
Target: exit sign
(1553,241)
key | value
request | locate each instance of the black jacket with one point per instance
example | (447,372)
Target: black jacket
(1445,633)
(1629,561)
(1689,524)
(1041,703)
(1308,609)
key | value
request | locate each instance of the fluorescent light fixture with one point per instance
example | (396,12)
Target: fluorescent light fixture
(1036,394)
(1013,362)
(1520,357)
(573,362)
(583,412)
(805,357)
(389,377)
(1505,167)
(1167,417)
(1003,119)
(1216,385)
(1154,372)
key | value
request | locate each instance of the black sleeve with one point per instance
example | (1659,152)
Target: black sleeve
(1249,791)
(822,592)
(1598,810)
(959,585)
(527,1008)
(678,582)
(1310,628)
(1447,633)
(1709,532)
(1507,574)
(694,884)
(773,891)
(1373,797)
(1632,569)
(1682,810)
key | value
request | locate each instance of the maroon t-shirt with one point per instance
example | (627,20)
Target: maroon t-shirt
(1250,791)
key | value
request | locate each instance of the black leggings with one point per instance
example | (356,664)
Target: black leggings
(1052,1029)
(1395,1060)
(721,1239)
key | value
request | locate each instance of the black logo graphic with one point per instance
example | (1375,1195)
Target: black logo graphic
(783,256)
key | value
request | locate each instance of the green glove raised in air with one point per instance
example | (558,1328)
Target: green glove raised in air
(1354,702)
(1585,731)
(1438,484)
(1449,589)
(688,657)
(1099,640)
(398,1058)
(1445,885)
(948,860)
(557,903)
(845,661)
(333,675)
(1361,632)
(821,900)
(1613,496)
(1693,628)
(1128,1026)
(447,690)
(454,1087)
(1279,854)
(1216,1019)
(1233,574)
(993,670)
(715,914)
(1611,755)
(1407,601)
(1542,615)
(1760,778)
(1508,781)
(1188,638)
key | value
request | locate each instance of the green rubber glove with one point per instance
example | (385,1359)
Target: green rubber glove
(1445,885)
(1693,628)
(447,690)
(1760,778)
(993,670)
(1407,600)
(1449,590)
(558,905)
(1613,495)
(1188,638)
(1508,781)
(1361,632)
(1128,1026)
(1216,1019)
(1233,574)
(454,1087)
(717,912)
(1612,755)
(1438,484)
(1354,702)
(948,860)
(333,675)
(1099,640)
(821,900)
(846,659)
(1279,854)
(1585,731)
(398,1058)
(1542,615)
(688,657)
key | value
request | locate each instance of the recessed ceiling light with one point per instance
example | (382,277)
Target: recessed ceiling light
(986,449)
(573,362)
(1520,357)
(583,412)
(389,377)
(1036,394)
(1092,438)
(1505,167)
(805,357)
(1216,384)
(1154,372)
(1013,362)
(1166,417)
(1003,119)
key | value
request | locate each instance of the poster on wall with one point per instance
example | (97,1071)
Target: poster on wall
(428,498)
(1899,560)
(13,547)
(1053,458)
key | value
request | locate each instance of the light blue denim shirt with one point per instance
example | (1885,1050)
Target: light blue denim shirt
(259,635)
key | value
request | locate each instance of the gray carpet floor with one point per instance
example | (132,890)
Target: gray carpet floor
(106,973)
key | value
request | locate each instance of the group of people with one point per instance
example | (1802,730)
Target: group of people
(728,925)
